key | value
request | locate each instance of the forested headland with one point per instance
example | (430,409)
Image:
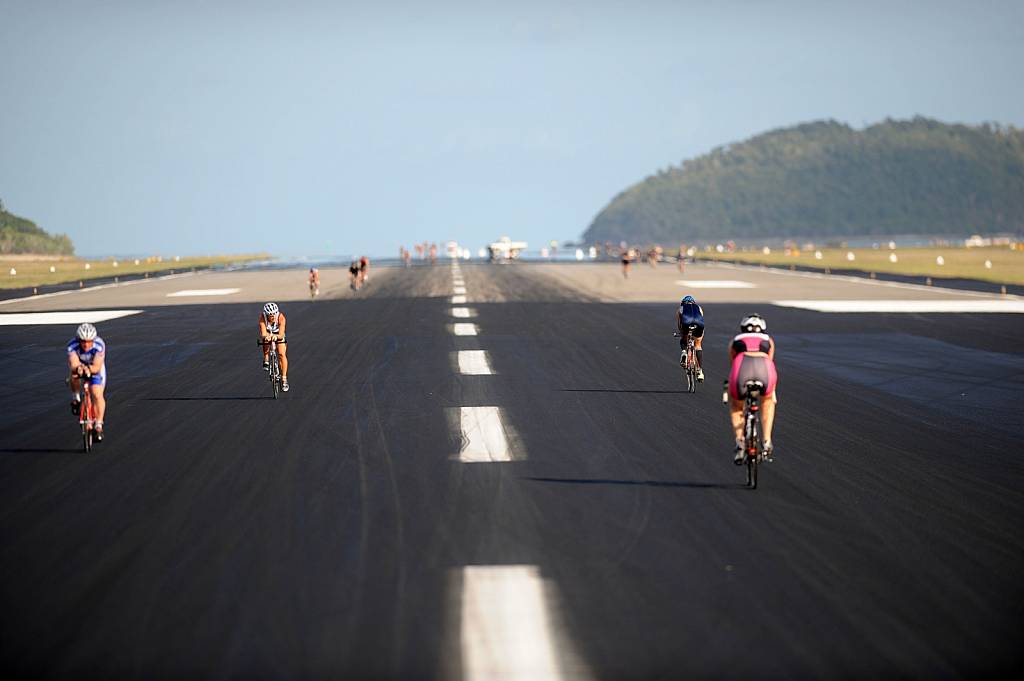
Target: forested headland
(826,179)
(19,235)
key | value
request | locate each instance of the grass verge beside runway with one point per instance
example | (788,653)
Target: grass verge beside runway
(36,270)
(1007,266)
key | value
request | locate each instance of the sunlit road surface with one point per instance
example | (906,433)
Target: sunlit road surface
(515,485)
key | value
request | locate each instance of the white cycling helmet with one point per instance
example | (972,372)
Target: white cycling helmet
(754,323)
(86,332)
(270,309)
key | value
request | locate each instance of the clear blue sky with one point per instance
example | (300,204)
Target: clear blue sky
(328,127)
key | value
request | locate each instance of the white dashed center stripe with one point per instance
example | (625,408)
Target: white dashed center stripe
(509,626)
(464,329)
(474,363)
(483,436)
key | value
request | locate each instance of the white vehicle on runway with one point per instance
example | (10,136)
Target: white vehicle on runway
(504,249)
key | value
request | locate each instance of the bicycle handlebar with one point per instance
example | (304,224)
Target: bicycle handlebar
(260,341)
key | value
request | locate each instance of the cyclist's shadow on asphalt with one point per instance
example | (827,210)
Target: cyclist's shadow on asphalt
(640,483)
(207,399)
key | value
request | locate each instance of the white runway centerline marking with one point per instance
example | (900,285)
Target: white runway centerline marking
(457,300)
(459,290)
(51,318)
(483,435)
(954,306)
(464,329)
(714,283)
(193,292)
(463,312)
(474,363)
(507,629)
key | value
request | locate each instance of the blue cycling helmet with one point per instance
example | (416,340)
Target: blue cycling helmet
(689,299)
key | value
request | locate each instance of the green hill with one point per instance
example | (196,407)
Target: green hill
(826,179)
(18,235)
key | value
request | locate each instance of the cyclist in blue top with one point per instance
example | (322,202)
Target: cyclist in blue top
(690,312)
(87,354)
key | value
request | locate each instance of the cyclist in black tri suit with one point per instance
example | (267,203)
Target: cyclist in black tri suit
(690,312)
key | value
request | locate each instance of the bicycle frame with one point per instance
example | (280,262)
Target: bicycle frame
(275,366)
(753,447)
(86,413)
(691,361)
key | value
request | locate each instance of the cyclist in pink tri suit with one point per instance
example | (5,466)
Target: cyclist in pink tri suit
(752,355)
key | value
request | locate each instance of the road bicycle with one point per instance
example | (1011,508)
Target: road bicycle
(275,365)
(86,412)
(753,440)
(314,290)
(689,362)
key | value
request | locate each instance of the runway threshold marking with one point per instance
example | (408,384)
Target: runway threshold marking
(463,312)
(474,363)
(881,306)
(464,329)
(483,436)
(508,629)
(714,283)
(51,318)
(458,300)
(197,292)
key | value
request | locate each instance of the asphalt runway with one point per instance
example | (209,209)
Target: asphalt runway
(601,531)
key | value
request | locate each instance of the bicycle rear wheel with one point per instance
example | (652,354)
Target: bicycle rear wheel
(753,449)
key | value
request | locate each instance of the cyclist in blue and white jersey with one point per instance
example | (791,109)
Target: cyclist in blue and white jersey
(690,312)
(87,353)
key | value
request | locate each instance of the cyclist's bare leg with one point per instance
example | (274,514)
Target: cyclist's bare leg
(99,401)
(736,415)
(768,416)
(76,384)
(282,353)
(699,350)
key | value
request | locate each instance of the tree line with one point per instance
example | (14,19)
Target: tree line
(19,235)
(824,179)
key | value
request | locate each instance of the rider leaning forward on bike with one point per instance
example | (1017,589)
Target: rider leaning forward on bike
(752,356)
(87,362)
(690,312)
(272,328)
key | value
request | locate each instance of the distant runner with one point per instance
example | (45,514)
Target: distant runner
(364,270)
(314,281)
(353,275)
